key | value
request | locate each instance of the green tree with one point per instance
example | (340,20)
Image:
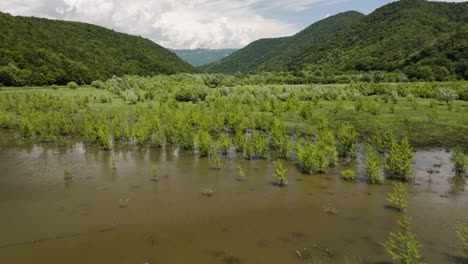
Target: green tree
(403,246)
(446,95)
(348,138)
(462,233)
(154,172)
(224,143)
(399,196)
(400,160)
(280,172)
(203,141)
(373,163)
(460,162)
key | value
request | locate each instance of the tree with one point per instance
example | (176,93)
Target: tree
(348,138)
(462,233)
(280,172)
(460,162)
(446,95)
(400,160)
(403,246)
(399,196)
(349,175)
(373,162)
(72,85)
(154,172)
(203,141)
(224,143)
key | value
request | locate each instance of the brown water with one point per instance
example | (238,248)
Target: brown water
(44,219)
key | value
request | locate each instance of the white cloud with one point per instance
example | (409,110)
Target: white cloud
(173,24)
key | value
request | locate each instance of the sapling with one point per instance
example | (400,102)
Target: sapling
(280,172)
(154,172)
(403,246)
(214,157)
(67,174)
(349,175)
(207,191)
(462,233)
(240,172)
(460,162)
(399,196)
(114,165)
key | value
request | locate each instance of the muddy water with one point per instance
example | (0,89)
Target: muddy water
(47,220)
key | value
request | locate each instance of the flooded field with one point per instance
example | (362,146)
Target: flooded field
(45,219)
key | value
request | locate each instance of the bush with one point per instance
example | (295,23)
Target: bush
(460,162)
(400,160)
(403,246)
(349,175)
(72,85)
(462,233)
(399,196)
(280,172)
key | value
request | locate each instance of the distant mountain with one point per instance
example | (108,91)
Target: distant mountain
(198,57)
(38,51)
(275,54)
(425,40)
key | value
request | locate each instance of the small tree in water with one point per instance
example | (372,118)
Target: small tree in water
(154,172)
(240,172)
(460,162)
(67,174)
(400,160)
(214,156)
(403,246)
(462,232)
(399,196)
(280,172)
(373,162)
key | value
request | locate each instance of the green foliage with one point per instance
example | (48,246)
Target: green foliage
(240,172)
(72,85)
(224,143)
(214,156)
(280,172)
(203,141)
(373,163)
(348,138)
(460,161)
(67,174)
(257,146)
(399,196)
(462,233)
(348,174)
(154,172)
(403,246)
(38,51)
(312,158)
(400,160)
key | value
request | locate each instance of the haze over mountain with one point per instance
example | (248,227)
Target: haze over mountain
(198,57)
(38,51)
(276,53)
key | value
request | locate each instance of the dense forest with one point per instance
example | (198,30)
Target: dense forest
(275,54)
(425,40)
(37,51)
(199,57)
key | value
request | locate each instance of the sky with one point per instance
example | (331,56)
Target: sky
(190,24)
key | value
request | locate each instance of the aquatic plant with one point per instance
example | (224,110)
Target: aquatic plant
(399,196)
(280,172)
(240,172)
(206,191)
(67,174)
(460,161)
(462,233)
(348,138)
(214,157)
(348,174)
(114,167)
(203,141)
(403,246)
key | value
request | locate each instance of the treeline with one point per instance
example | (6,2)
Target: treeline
(37,51)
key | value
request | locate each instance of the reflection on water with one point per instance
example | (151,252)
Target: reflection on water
(48,220)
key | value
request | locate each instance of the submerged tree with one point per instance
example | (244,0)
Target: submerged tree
(214,156)
(460,162)
(373,162)
(462,233)
(348,138)
(280,172)
(67,174)
(400,160)
(154,172)
(403,246)
(240,172)
(399,196)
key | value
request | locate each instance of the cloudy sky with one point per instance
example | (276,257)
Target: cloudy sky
(194,23)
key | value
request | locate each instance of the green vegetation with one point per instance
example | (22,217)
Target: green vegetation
(154,173)
(403,246)
(373,162)
(462,233)
(400,160)
(198,57)
(280,172)
(349,175)
(460,162)
(39,51)
(67,174)
(275,54)
(399,196)
(240,172)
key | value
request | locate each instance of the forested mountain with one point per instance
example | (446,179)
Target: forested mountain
(38,51)
(198,57)
(275,54)
(426,40)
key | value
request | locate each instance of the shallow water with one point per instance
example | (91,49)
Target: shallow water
(45,219)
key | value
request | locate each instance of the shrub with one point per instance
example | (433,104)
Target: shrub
(403,246)
(446,95)
(399,196)
(460,162)
(349,175)
(400,160)
(280,172)
(373,162)
(72,85)
(349,140)
(462,233)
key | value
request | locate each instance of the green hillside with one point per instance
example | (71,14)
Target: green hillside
(276,54)
(38,51)
(198,57)
(425,40)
